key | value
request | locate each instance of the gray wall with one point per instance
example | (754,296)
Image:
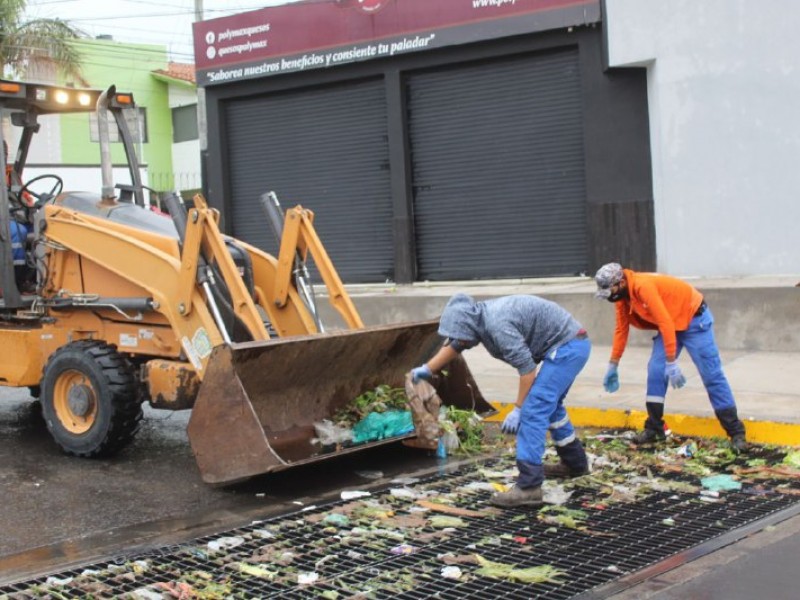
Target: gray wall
(723,84)
(752,319)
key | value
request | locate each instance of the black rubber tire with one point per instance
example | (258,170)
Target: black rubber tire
(116,406)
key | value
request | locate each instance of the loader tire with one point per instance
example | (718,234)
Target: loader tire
(89,399)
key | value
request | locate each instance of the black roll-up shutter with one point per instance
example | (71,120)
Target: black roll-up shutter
(324,148)
(498,168)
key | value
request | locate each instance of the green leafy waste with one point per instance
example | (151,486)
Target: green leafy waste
(382,399)
(496,570)
(375,415)
(467,425)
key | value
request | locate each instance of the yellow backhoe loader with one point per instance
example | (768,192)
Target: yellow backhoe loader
(108,304)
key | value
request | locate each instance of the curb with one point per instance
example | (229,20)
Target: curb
(760,432)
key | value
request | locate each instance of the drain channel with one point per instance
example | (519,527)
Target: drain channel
(388,546)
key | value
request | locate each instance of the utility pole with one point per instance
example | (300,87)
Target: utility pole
(202,123)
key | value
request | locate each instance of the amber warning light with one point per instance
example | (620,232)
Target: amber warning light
(7,87)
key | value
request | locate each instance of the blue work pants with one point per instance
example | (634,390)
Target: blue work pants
(699,342)
(544,410)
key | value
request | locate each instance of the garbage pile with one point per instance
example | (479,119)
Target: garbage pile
(621,470)
(388,412)
(440,534)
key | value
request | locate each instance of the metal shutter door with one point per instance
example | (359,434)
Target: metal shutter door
(498,169)
(326,149)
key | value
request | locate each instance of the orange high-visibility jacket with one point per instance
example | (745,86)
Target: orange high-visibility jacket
(657,301)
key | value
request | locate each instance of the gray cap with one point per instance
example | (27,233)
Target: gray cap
(607,275)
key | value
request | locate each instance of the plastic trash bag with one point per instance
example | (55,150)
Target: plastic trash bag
(330,434)
(449,437)
(425,404)
(379,426)
(720,483)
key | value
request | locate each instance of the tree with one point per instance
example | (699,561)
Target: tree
(38,44)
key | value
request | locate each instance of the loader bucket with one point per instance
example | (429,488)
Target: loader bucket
(257,405)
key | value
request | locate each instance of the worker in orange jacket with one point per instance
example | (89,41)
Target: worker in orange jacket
(683,320)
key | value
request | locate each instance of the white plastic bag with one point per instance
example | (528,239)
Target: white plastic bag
(329,433)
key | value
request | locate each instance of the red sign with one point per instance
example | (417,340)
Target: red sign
(320,34)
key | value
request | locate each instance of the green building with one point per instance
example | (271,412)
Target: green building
(165,127)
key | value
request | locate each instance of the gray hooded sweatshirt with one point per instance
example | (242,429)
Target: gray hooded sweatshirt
(519,330)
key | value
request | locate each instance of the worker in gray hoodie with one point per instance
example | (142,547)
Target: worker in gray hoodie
(524,331)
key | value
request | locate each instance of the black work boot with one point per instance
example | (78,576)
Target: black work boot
(562,470)
(733,426)
(649,436)
(573,462)
(518,496)
(653,426)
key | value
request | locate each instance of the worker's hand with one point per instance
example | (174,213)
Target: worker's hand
(421,372)
(611,380)
(674,375)
(511,423)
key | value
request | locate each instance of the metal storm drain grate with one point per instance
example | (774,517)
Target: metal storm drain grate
(431,538)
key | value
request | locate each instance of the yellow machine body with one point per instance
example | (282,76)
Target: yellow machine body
(130,305)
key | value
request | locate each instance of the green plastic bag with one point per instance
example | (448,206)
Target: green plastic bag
(720,483)
(379,426)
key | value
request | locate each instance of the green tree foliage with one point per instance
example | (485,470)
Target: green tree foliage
(25,43)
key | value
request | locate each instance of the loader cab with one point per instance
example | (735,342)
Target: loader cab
(21,104)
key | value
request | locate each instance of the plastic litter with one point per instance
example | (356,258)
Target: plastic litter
(404,493)
(337,520)
(441,449)
(331,434)
(403,549)
(553,493)
(379,426)
(719,483)
(478,486)
(425,406)
(353,494)
(405,480)
(263,534)
(224,543)
(307,578)
(451,573)
(687,450)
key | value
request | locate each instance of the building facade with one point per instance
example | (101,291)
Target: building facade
(470,140)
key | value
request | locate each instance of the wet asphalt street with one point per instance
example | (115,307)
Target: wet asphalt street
(150,489)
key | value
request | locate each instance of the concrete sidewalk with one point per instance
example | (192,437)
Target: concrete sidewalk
(756,326)
(764,383)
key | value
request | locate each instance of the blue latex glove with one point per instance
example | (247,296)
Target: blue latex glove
(674,375)
(511,423)
(611,380)
(422,372)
